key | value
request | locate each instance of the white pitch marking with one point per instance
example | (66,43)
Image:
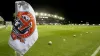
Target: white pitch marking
(96,51)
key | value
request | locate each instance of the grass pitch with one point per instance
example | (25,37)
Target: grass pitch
(81,45)
(98,54)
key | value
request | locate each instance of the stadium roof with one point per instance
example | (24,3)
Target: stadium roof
(49,15)
(1,19)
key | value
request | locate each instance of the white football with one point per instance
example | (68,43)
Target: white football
(64,39)
(50,42)
(74,35)
(86,32)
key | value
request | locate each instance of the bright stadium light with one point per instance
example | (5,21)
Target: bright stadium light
(63,18)
(36,13)
(41,14)
(48,15)
(55,16)
(60,18)
(45,14)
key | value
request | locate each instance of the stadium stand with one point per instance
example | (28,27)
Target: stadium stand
(50,19)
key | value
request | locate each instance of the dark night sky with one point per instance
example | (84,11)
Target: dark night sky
(73,10)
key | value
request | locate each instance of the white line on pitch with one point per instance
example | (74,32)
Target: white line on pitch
(96,51)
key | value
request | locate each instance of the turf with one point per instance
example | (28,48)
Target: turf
(81,45)
(98,54)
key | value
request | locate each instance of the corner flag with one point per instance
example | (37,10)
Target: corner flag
(24,32)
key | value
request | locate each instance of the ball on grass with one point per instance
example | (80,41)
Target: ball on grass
(50,43)
(64,39)
(74,35)
(87,32)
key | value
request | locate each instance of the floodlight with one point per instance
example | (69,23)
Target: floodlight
(41,14)
(36,13)
(55,16)
(60,18)
(45,14)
